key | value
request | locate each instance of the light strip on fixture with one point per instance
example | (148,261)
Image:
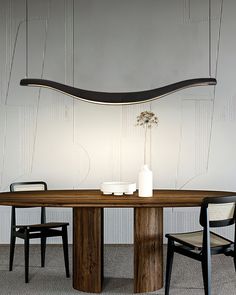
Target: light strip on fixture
(118,98)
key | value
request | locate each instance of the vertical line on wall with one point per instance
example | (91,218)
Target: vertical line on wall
(8,35)
(189,10)
(4,147)
(216,74)
(5,102)
(202,134)
(69,55)
(3,26)
(186,11)
(40,89)
(10,32)
(74,101)
(39,94)
(26,115)
(213,100)
(12,60)
(180,146)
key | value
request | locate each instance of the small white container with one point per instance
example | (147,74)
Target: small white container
(118,188)
(145,182)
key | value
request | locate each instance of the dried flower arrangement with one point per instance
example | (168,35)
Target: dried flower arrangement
(147,120)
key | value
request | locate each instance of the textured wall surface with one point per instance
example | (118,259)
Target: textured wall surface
(125,45)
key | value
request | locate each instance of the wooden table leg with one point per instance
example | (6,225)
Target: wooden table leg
(88,249)
(148,249)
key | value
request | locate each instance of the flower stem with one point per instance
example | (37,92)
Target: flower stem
(145,145)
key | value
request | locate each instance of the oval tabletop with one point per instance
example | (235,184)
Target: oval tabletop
(95,198)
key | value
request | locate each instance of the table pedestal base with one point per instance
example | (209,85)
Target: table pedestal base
(88,249)
(148,249)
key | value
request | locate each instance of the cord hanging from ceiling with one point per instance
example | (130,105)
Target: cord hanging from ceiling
(209,36)
(26,39)
(116,98)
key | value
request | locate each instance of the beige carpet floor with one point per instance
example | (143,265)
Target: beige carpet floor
(118,271)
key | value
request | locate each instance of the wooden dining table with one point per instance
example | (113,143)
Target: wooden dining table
(88,208)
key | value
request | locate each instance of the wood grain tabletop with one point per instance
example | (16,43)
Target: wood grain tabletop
(95,198)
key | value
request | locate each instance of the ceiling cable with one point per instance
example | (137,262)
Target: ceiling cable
(209,36)
(73,43)
(114,98)
(26,38)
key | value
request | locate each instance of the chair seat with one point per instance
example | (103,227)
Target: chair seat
(194,239)
(42,225)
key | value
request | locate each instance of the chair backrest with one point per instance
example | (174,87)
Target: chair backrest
(28,186)
(218,211)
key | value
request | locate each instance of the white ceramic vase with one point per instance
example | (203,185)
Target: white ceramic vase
(145,182)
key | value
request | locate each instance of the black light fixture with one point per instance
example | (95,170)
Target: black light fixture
(117,98)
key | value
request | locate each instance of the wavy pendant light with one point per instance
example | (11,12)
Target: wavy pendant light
(117,98)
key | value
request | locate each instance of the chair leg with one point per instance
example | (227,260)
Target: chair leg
(235,260)
(43,249)
(206,273)
(65,250)
(12,250)
(27,259)
(234,253)
(169,263)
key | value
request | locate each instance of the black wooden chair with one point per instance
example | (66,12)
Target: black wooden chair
(200,245)
(34,231)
